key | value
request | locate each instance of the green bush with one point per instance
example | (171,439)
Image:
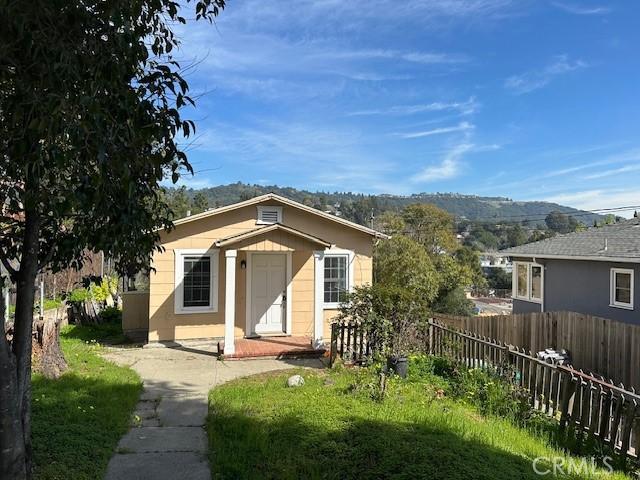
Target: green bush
(111,315)
(78,296)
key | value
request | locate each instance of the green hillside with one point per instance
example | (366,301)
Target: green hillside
(358,207)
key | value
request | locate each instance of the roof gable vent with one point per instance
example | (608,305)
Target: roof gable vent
(269,214)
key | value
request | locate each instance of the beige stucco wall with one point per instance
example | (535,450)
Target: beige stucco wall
(165,324)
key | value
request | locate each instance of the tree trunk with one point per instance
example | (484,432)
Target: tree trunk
(47,354)
(15,366)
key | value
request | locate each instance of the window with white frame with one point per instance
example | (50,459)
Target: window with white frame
(622,288)
(336,278)
(528,281)
(196,274)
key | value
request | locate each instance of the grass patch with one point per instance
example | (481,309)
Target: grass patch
(333,428)
(79,418)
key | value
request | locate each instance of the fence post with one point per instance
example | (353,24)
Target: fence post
(334,344)
(431,337)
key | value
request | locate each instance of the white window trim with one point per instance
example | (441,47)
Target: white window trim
(612,288)
(179,255)
(336,252)
(261,208)
(528,297)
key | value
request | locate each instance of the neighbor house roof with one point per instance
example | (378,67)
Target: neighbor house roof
(619,242)
(230,240)
(285,201)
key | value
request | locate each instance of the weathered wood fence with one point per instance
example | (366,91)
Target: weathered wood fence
(596,344)
(589,406)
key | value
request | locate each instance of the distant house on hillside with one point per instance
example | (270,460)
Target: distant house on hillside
(591,272)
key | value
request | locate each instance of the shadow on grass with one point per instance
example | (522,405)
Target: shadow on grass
(79,418)
(243,446)
(105,333)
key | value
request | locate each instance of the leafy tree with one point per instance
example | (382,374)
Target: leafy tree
(200,203)
(391,223)
(469,259)
(404,263)
(516,235)
(499,279)
(560,222)
(430,226)
(89,114)
(454,302)
(178,201)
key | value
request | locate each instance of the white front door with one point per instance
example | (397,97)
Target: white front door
(268,293)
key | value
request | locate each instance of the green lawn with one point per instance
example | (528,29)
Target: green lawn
(79,418)
(260,429)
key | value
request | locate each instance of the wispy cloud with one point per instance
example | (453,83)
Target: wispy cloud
(598,199)
(536,79)
(576,9)
(451,165)
(461,127)
(464,108)
(613,172)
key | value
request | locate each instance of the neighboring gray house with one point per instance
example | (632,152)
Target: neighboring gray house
(591,272)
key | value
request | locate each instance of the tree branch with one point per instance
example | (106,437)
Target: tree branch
(13,273)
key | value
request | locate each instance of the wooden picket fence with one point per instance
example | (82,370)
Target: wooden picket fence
(350,342)
(588,406)
(601,345)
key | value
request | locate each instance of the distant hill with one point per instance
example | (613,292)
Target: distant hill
(358,207)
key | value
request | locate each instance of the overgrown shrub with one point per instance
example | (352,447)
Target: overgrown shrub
(111,315)
(78,296)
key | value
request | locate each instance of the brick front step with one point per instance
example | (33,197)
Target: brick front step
(276,347)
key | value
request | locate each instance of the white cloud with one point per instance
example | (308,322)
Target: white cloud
(536,79)
(464,108)
(581,9)
(448,168)
(598,199)
(451,165)
(612,172)
(461,127)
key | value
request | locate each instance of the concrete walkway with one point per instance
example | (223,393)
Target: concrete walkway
(168,439)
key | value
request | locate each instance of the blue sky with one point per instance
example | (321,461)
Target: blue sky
(526,99)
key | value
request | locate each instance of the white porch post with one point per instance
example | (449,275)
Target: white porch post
(230,302)
(318,323)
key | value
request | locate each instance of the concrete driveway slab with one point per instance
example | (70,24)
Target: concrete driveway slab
(163,439)
(168,439)
(158,466)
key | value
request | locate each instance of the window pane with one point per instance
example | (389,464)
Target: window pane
(196,283)
(523,279)
(623,288)
(536,282)
(335,278)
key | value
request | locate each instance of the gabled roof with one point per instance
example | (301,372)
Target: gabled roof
(285,201)
(619,242)
(230,240)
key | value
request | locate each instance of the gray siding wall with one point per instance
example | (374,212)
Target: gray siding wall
(522,306)
(582,286)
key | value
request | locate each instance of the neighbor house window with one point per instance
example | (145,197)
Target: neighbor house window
(622,288)
(528,281)
(196,281)
(335,278)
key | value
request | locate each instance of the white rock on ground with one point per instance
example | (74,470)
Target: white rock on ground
(295,381)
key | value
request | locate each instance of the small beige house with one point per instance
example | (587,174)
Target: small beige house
(268,266)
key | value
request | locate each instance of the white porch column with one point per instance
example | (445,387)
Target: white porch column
(230,302)
(318,317)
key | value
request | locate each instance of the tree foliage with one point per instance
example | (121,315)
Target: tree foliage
(561,223)
(90,101)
